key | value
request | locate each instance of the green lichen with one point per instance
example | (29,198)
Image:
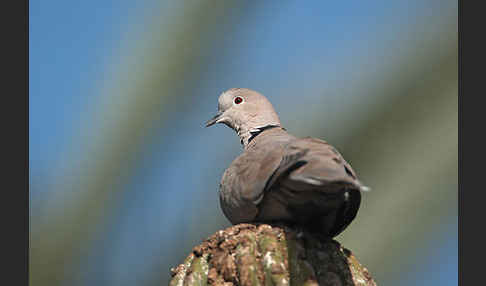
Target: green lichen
(273,259)
(249,255)
(198,273)
(180,275)
(246,262)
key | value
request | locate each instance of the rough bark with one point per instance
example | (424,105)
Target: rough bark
(248,254)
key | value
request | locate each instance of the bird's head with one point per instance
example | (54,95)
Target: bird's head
(244,110)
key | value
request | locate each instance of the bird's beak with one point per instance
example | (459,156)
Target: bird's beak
(214,120)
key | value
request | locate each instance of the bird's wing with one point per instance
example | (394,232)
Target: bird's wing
(324,166)
(326,182)
(244,181)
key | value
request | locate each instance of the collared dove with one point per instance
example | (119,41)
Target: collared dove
(282,178)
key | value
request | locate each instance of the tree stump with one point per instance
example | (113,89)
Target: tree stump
(248,254)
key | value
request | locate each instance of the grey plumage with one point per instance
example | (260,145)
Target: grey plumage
(282,178)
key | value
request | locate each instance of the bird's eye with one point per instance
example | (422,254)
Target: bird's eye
(238,100)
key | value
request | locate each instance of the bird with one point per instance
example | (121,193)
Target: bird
(280,178)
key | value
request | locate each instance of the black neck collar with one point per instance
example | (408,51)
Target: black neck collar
(254,133)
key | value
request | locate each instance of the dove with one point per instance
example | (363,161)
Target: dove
(280,178)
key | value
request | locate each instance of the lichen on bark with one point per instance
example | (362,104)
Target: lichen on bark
(248,254)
